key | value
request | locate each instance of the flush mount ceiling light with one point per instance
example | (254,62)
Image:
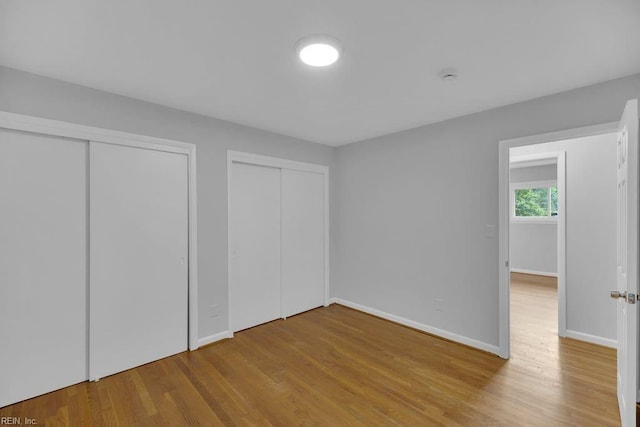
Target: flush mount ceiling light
(318,50)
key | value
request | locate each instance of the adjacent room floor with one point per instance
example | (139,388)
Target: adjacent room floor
(336,366)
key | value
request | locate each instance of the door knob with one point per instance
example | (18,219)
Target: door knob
(630,298)
(618,294)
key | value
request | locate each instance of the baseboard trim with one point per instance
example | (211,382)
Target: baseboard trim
(537,273)
(593,339)
(420,326)
(213,338)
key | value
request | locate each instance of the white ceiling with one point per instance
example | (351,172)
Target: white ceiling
(235,60)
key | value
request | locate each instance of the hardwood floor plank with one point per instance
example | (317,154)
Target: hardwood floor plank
(205,394)
(169,414)
(335,366)
(142,391)
(79,405)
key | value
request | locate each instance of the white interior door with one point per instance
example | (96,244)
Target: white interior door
(139,250)
(627,271)
(43,264)
(254,239)
(302,241)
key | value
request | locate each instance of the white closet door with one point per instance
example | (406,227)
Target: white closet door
(139,249)
(302,241)
(254,234)
(43,264)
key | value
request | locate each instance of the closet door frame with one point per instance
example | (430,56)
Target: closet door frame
(275,162)
(21,122)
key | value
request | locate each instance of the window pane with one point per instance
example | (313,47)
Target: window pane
(554,201)
(531,202)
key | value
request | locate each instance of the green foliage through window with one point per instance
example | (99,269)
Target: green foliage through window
(554,201)
(536,202)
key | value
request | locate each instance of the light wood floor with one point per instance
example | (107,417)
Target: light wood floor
(335,366)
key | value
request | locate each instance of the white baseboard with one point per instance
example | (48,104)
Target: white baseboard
(593,339)
(420,326)
(537,273)
(213,338)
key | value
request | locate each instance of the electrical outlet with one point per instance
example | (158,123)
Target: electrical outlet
(490,231)
(438,304)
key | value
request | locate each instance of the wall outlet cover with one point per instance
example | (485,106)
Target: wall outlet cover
(490,230)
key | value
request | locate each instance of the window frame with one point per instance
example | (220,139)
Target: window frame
(549,219)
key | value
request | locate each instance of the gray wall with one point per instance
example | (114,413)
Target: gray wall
(591,231)
(533,246)
(408,214)
(42,97)
(412,207)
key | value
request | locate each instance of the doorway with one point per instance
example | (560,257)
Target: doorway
(532,149)
(537,248)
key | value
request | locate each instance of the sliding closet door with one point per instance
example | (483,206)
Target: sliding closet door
(43,264)
(254,239)
(139,250)
(303,236)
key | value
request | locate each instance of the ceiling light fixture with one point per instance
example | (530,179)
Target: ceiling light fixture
(318,50)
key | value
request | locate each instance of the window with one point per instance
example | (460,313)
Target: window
(536,201)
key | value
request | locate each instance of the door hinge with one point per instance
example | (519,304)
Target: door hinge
(506,263)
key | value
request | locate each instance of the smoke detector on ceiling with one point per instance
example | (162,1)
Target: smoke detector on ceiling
(448,74)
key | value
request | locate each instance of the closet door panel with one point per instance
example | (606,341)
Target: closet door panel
(303,242)
(43,264)
(139,257)
(254,239)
